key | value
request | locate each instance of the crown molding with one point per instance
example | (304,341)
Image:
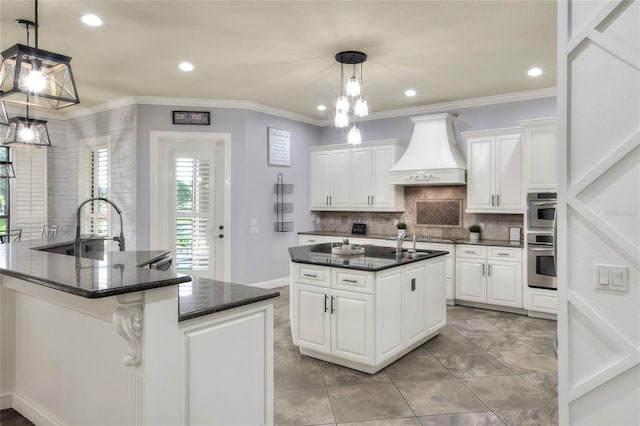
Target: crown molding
(265,109)
(549,92)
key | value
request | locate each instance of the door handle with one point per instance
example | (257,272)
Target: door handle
(413,284)
(327,201)
(489,271)
(483,269)
(498,199)
(220,235)
(220,227)
(349,281)
(332,299)
(330,200)
(492,200)
(368,200)
(325,302)
(372,200)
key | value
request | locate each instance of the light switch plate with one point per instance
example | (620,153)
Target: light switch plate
(611,277)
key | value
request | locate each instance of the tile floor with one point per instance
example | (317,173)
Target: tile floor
(485,368)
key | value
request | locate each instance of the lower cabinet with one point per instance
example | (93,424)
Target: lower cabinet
(370,326)
(487,274)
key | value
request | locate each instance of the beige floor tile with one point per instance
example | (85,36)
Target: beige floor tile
(368,402)
(527,362)
(486,418)
(548,382)
(300,375)
(440,397)
(282,336)
(474,365)
(547,416)
(336,375)
(417,366)
(409,421)
(289,354)
(302,407)
(450,343)
(507,392)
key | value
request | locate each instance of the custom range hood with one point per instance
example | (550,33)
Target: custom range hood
(432,157)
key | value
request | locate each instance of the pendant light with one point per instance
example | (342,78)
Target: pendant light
(351,93)
(6,170)
(27,131)
(44,76)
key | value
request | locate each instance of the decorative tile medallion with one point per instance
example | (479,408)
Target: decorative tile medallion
(439,213)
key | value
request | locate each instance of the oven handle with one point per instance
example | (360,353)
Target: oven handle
(543,203)
(555,240)
(541,249)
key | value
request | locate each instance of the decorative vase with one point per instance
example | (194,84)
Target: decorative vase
(475,236)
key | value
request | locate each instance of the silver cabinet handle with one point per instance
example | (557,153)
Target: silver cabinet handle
(483,269)
(492,200)
(327,201)
(310,275)
(325,302)
(489,271)
(344,280)
(498,199)
(503,254)
(368,200)
(311,241)
(372,200)
(470,251)
(413,284)
(330,200)
(332,299)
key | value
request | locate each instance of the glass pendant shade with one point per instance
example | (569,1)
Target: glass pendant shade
(361,109)
(44,76)
(354,137)
(27,131)
(6,170)
(353,87)
(342,119)
(342,104)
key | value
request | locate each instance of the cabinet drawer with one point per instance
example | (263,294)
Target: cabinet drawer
(345,279)
(544,303)
(505,253)
(308,274)
(471,252)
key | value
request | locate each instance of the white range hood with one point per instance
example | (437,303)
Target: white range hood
(432,157)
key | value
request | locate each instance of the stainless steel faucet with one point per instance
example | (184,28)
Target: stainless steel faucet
(401,236)
(78,240)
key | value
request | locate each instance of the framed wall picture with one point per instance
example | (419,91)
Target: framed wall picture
(202,118)
(279,142)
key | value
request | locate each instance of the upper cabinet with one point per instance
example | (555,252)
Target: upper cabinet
(355,178)
(540,140)
(495,171)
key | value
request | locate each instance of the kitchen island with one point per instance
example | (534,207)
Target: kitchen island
(364,311)
(108,340)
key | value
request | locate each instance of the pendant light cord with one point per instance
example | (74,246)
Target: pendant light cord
(37,24)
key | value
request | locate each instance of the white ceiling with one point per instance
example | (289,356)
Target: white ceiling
(281,54)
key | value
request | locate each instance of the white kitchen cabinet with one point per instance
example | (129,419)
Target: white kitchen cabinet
(489,274)
(366,320)
(540,140)
(495,171)
(366,185)
(329,179)
(449,268)
(305,240)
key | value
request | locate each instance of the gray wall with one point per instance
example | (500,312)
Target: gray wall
(255,258)
(468,119)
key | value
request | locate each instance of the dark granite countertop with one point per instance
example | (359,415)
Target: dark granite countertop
(105,274)
(202,296)
(420,239)
(375,258)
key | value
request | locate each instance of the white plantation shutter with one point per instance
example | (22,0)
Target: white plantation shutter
(193,207)
(94,182)
(29,191)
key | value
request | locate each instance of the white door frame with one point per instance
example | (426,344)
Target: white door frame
(155,200)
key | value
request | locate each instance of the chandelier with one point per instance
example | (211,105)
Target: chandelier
(351,94)
(35,77)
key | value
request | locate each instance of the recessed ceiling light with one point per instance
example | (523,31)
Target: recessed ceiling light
(321,107)
(186,66)
(91,20)
(534,72)
(410,92)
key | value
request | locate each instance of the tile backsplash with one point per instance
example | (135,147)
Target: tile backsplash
(429,211)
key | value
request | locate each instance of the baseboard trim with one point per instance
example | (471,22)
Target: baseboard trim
(278,282)
(32,413)
(6,401)
(543,315)
(490,307)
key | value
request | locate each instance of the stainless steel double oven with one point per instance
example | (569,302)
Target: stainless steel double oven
(541,264)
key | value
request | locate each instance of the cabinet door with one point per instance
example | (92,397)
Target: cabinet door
(436,291)
(504,283)
(361,178)
(383,193)
(352,326)
(415,302)
(339,194)
(480,170)
(509,188)
(313,318)
(471,280)
(320,172)
(389,318)
(541,159)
